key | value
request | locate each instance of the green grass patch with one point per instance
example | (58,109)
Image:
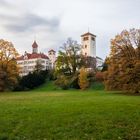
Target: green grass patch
(72,115)
(97,86)
(48,86)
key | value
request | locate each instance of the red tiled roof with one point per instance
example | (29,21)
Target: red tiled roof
(88,33)
(20,58)
(33,56)
(34,45)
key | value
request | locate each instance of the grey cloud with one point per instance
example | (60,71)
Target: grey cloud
(105,18)
(28,22)
(4,3)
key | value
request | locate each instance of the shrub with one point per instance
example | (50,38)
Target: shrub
(31,80)
(99,76)
(83,79)
(69,81)
(63,82)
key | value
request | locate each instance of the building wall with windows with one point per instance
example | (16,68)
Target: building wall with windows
(88,41)
(52,57)
(28,65)
(88,47)
(27,62)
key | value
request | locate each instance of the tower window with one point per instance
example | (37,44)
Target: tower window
(85,46)
(85,54)
(93,38)
(85,38)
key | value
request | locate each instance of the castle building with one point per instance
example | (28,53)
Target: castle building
(88,48)
(28,61)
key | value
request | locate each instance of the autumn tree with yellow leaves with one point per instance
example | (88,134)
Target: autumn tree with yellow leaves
(8,66)
(83,78)
(124,62)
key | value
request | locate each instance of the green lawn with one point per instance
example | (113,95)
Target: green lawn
(69,115)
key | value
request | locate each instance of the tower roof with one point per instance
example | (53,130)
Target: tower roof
(34,45)
(88,33)
(51,50)
(33,56)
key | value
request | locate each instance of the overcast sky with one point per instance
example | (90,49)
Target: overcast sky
(51,22)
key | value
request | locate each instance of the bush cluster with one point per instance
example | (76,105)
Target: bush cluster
(31,81)
(79,80)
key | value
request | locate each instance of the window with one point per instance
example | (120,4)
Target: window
(42,61)
(85,54)
(85,46)
(20,63)
(85,38)
(93,38)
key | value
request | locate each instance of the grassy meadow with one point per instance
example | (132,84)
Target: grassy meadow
(54,114)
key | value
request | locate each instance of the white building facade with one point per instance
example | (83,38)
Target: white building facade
(52,57)
(88,47)
(27,62)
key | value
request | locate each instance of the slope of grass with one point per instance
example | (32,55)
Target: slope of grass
(72,115)
(48,86)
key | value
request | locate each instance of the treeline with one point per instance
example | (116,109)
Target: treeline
(121,70)
(124,62)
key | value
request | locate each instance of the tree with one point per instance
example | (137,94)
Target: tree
(105,66)
(8,66)
(99,76)
(69,59)
(83,79)
(124,61)
(38,66)
(68,63)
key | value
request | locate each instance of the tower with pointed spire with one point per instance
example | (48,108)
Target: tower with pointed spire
(34,47)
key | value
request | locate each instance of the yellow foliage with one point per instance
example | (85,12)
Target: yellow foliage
(124,62)
(8,66)
(83,79)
